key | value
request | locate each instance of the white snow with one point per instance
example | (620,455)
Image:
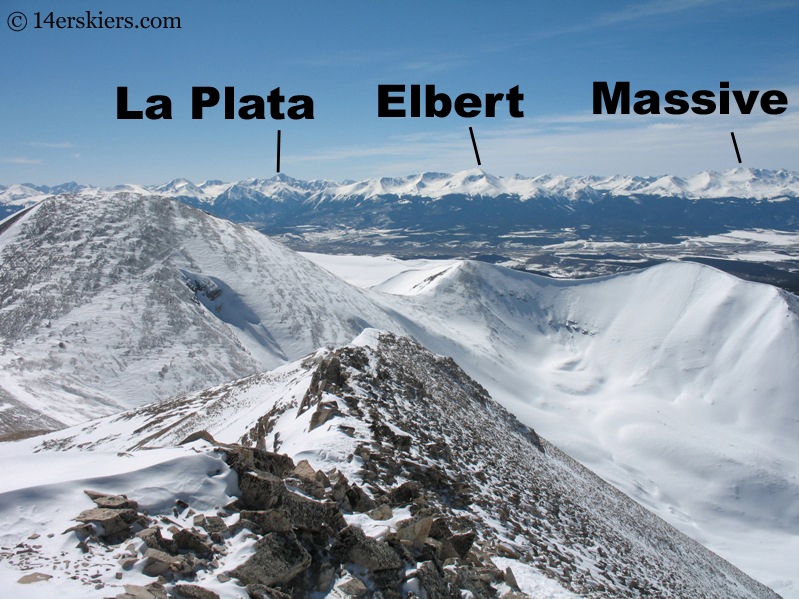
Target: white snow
(531,581)
(678,384)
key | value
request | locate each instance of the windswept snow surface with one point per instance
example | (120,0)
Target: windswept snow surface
(42,493)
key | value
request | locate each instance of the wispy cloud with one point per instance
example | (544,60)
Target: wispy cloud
(440,64)
(346,59)
(653,11)
(48,144)
(649,10)
(19,160)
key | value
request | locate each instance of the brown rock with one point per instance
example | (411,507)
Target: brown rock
(157,562)
(204,435)
(267,521)
(324,412)
(307,514)
(461,543)
(382,512)
(260,491)
(151,591)
(112,521)
(358,500)
(415,530)
(116,502)
(215,524)
(153,539)
(278,558)
(188,540)
(352,545)
(440,529)
(404,494)
(353,588)
(242,459)
(126,563)
(192,591)
(433,582)
(505,551)
(305,471)
(260,591)
(510,579)
(34,577)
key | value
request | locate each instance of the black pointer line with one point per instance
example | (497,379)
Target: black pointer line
(474,143)
(735,143)
(278,150)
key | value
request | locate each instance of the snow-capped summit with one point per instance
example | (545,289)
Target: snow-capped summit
(180,187)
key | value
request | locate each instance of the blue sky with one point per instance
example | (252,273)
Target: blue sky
(58,97)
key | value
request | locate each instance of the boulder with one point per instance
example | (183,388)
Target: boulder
(461,543)
(510,579)
(153,539)
(305,471)
(440,529)
(242,459)
(157,562)
(192,591)
(116,502)
(324,412)
(382,512)
(151,591)
(267,521)
(415,530)
(34,577)
(352,545)
(260,491)
(197,435)
(188,540)
(112,521)
(353,588)
(433,582)
(307,514)
(215,524)
(358,500)
(404,494)
(260,591)
(277,559)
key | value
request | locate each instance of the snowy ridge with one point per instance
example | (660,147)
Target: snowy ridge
(386,411)
(142,298)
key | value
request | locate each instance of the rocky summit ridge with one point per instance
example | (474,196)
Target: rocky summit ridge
(375,469)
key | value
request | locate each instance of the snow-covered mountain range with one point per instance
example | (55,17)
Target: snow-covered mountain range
(473,213)
(677,383)
(734,183)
